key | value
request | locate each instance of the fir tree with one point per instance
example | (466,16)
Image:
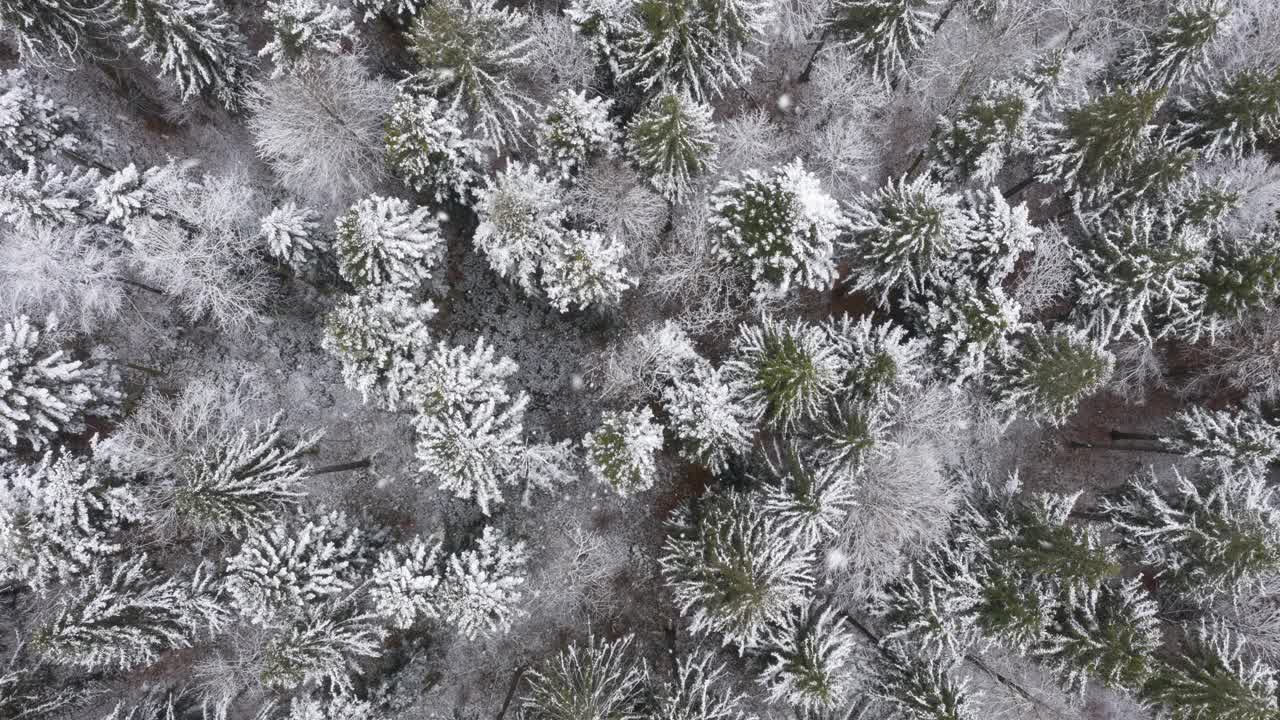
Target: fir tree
(1214,680)
(880,360)
(380,335)
(923,689)
(1051,372)
(937,604)
(337,707)
(301,27)
(806,500)
(406,581)
(397,10)
(786,372)
(383,240)
(585,270)
(1240,437)
(574,129)
(1230,117)
(672,140)
(192,41)
(47,195)
(621,452)
(782,228)
(810,661)
(480,591)
(1096,142)
(975,144)
(850,433)
(1109,637)
(521,220)
(31,124)
(996,235)
(600,681)
(468,54)
(1171,53)
(44,393)
(904,236)
(322,647)
(972,327)
(706,416)
(732,570)
(427,148)
(1241,274)
(290,234)
(45,28)
(886,33)
(699,691)
(1034,537)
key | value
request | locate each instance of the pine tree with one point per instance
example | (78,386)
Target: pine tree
(1051,372)
(521,220)
(782,228)
(1240,437)
(427,148)
(881,361)
(786,372)
(1180,48)
(811,661)
(732,570)
(1110,637)
(584,269)
(975,144)
(1231,117)
(480,591)
(923,689)
(972,327)
(242,483)
(192,41)
(290,234)
(127,194)
(704,413)
(383,240)
(45,393)
(807,500)
(699,691)
(59,517)
(849,433)
(45,28)
(322,647)
(1213,679)
(996,236)
(469,53)
(394,9)
(301,27)
(380,335)
(283,571)
(904,236)
(601,681)
(622,451)
(1241,275)
(937,606)
(1097,141)
(337,707)
(31,124)
(885,32)
(1034,537)
(406,582)
(44,194)
(575,129)
(672,140)
(123,617)
(1206,537)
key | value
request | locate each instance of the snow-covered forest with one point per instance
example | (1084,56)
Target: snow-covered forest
(639,359)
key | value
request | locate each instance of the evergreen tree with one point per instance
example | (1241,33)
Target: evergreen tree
(704,413)
(290,234)
(811,662)
(337,707)
(1035,538)
(849,433)
(1241,275)
(1240,437)
(1206,537)
(1097,141)
(301,27)
(1231,117)
(880,360)
(123,617)
(1171,53)
(322,647)
(521,219)
(469,53)
(427,148)
(782,228)
(732,570)
(44,194)
(621,452)
(396,10)
(786,372)
(1109,636)
(672,140)
(600,681)
(45,28)
(886,33)
(937,604)
(480,591)
(923,689)
(806,500)
(698,691)
(1051,372)
(383,240)
(44,393)
(380,335)
(904,236)
(996,235)
(975,144)
(31,125)
(192,41)
(972,327)
(406,582)
(574,129)
(585,270)
(1214,680)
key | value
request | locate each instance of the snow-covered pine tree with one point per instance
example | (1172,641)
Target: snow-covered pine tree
(287,569)
(700,691)
(886,33)
(301,27)
(584,269)
(44,393)
(480,592)
(31,124)
(672,140)
(45,28)
(128,194)
(786,372)
(974,144)
(704,413)
(427,148)
(404,584)
(289,232)
(602,681)
(192,41)
(881,361)
(938,605)
(1179,48)
(320,648)
(1241,275)
(622,451)
(1035,538)
(383,240)
(851,432)
(321,706)
(781,228)
(996,236)
(521,221)
(1206,537)
(811,661)
(904,237)
(45,194)
(124,616)
(1094,144)
(1109,637)
(924,689)
(574,129)
(732,570)
(468,53)
(1232,116)
(380,335)
(1050,372)
(807,499)
(241,483)
(1240,437)
(396,10)
(59,517)
(972,326)
(1214,679)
